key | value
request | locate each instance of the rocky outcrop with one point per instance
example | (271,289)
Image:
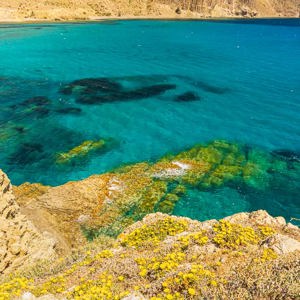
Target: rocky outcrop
(282,244)
(63,209)
(161,256)
(20,10)
(20,242)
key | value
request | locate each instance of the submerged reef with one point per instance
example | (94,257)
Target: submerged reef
(133,191)
(41,107)
(30,148)
(80,151)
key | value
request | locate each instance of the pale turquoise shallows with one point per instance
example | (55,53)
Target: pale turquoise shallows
(170,85)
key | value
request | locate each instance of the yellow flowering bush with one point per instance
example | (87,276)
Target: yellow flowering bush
(14,287)
(267,254)
(266,231)
(100,288)
(198,238)
(54,285)
(233,235)
(155,267)
(154,233)
(185,284)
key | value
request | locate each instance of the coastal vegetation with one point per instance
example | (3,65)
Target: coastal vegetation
(167,257)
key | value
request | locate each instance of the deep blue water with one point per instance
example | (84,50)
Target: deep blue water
(246,75)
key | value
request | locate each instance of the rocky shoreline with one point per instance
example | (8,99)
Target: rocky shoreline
(208,259)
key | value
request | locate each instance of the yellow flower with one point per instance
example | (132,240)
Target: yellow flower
(192,291)
(213,283)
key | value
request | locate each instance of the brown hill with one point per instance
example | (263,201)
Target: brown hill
(21,10)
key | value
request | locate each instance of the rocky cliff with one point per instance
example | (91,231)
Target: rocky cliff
(20,242)
(158,257)
(20,10)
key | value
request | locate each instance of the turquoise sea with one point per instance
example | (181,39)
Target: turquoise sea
(151,88)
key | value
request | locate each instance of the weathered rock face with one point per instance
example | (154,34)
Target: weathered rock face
(240,8)
(63,209)
(19,10)
(20,241)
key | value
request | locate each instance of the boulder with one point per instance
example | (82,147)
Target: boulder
(282,244)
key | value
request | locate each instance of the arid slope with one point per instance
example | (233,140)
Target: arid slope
(22,10)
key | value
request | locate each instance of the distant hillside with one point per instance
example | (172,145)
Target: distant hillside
(19,10)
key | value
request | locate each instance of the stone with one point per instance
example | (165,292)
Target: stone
(28,296)
(178,11)
(260,217)
(282,244)
(291,226)
(83,219)
(15,248)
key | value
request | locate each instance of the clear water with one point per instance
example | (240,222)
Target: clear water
(246,73)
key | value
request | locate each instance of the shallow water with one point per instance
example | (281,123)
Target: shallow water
(244,76)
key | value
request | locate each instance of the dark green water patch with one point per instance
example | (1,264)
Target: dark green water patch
(187,97)
(106,90)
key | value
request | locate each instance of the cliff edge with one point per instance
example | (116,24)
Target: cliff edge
(20,242)
(243,256)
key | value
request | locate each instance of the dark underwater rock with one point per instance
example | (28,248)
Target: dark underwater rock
(39,112)
(92,85)
(140,93)
(27,153)
(20,129)
(187,97)
(35,107)
(149,91)
(69,110)
(288,155)
(36,101)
